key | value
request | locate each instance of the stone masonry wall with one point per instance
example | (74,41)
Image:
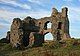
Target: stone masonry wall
(30,30)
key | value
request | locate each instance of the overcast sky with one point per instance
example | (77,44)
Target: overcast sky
(10,9)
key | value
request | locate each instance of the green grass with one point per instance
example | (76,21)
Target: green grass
(6,49)
(70,47)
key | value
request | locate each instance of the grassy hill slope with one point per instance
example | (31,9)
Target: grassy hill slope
(69,47)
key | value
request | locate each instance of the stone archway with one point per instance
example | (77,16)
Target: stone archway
(47,31)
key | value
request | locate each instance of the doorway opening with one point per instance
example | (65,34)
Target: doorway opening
(48,35)
(25,39)
(59,25)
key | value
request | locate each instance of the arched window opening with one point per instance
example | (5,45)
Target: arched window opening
(47,25)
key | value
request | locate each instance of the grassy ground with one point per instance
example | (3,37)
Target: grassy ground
(69,47)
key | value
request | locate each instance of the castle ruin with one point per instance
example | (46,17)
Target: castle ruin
(31,31)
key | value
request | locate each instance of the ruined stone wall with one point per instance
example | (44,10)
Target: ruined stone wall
(60,23)
(21,32)
(16,33)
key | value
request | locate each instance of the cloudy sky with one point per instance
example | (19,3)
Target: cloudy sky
(10,9)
